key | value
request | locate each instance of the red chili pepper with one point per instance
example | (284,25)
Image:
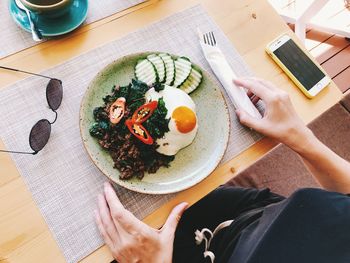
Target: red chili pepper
(139,132)
(117,110)
(144,112)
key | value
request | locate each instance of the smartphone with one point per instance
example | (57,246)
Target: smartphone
(299,66)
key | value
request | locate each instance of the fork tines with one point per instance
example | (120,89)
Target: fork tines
(209,39)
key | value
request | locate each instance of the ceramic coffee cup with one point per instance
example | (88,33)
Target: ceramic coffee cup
(48,8)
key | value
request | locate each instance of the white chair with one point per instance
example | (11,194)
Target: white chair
(332,16)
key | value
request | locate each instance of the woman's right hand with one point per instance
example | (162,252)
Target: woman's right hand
(280,121)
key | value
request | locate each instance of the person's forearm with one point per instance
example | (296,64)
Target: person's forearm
(332,171)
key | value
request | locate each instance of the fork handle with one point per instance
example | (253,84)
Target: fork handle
(225,75)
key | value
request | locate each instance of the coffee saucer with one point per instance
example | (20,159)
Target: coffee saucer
(52,27)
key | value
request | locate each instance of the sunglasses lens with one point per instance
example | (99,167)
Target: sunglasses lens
(54,93)
(39,135)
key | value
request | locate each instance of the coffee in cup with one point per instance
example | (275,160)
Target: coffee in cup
(48,8)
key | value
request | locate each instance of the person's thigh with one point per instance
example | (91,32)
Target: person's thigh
(224,203)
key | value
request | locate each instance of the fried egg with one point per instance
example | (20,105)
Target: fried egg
(183,124)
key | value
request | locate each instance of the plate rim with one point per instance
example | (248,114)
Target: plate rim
(130,186)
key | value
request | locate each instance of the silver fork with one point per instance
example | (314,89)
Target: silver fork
(209,38)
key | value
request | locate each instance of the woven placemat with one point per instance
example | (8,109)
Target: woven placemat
(14,38)
(63,180)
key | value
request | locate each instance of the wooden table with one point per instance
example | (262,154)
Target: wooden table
(249,24)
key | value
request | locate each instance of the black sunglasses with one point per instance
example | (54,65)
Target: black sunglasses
(40,132)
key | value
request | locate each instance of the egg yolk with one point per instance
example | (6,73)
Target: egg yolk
(185,119)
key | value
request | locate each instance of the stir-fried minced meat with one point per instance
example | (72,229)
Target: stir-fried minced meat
(130,160)
(131,156)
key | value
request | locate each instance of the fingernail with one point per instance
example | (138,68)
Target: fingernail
(185,204)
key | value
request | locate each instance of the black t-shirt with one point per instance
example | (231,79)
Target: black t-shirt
(312,225)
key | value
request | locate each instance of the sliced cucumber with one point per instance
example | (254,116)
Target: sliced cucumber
(192,82)
(159,65)
(183,67)
(146,72)
(169,68)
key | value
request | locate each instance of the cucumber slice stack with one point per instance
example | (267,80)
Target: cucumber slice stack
(163,68)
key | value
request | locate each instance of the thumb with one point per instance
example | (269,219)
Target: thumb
(248,120)
(173,219)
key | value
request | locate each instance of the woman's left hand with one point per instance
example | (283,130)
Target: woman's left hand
(131,240)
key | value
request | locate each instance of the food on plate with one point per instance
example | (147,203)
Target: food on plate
(183,69)
(131,154)
(169,68)
(183,120)
(159,65)
(146,72)
(135,123)
(162,68)
(144,124)
(139,132)
(192,82)
(117,110)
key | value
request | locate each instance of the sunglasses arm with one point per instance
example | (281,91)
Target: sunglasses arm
(26,72)
(32,153)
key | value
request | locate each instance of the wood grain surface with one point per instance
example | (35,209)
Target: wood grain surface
(249,24)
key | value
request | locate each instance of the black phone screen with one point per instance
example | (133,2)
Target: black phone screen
(299,64)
